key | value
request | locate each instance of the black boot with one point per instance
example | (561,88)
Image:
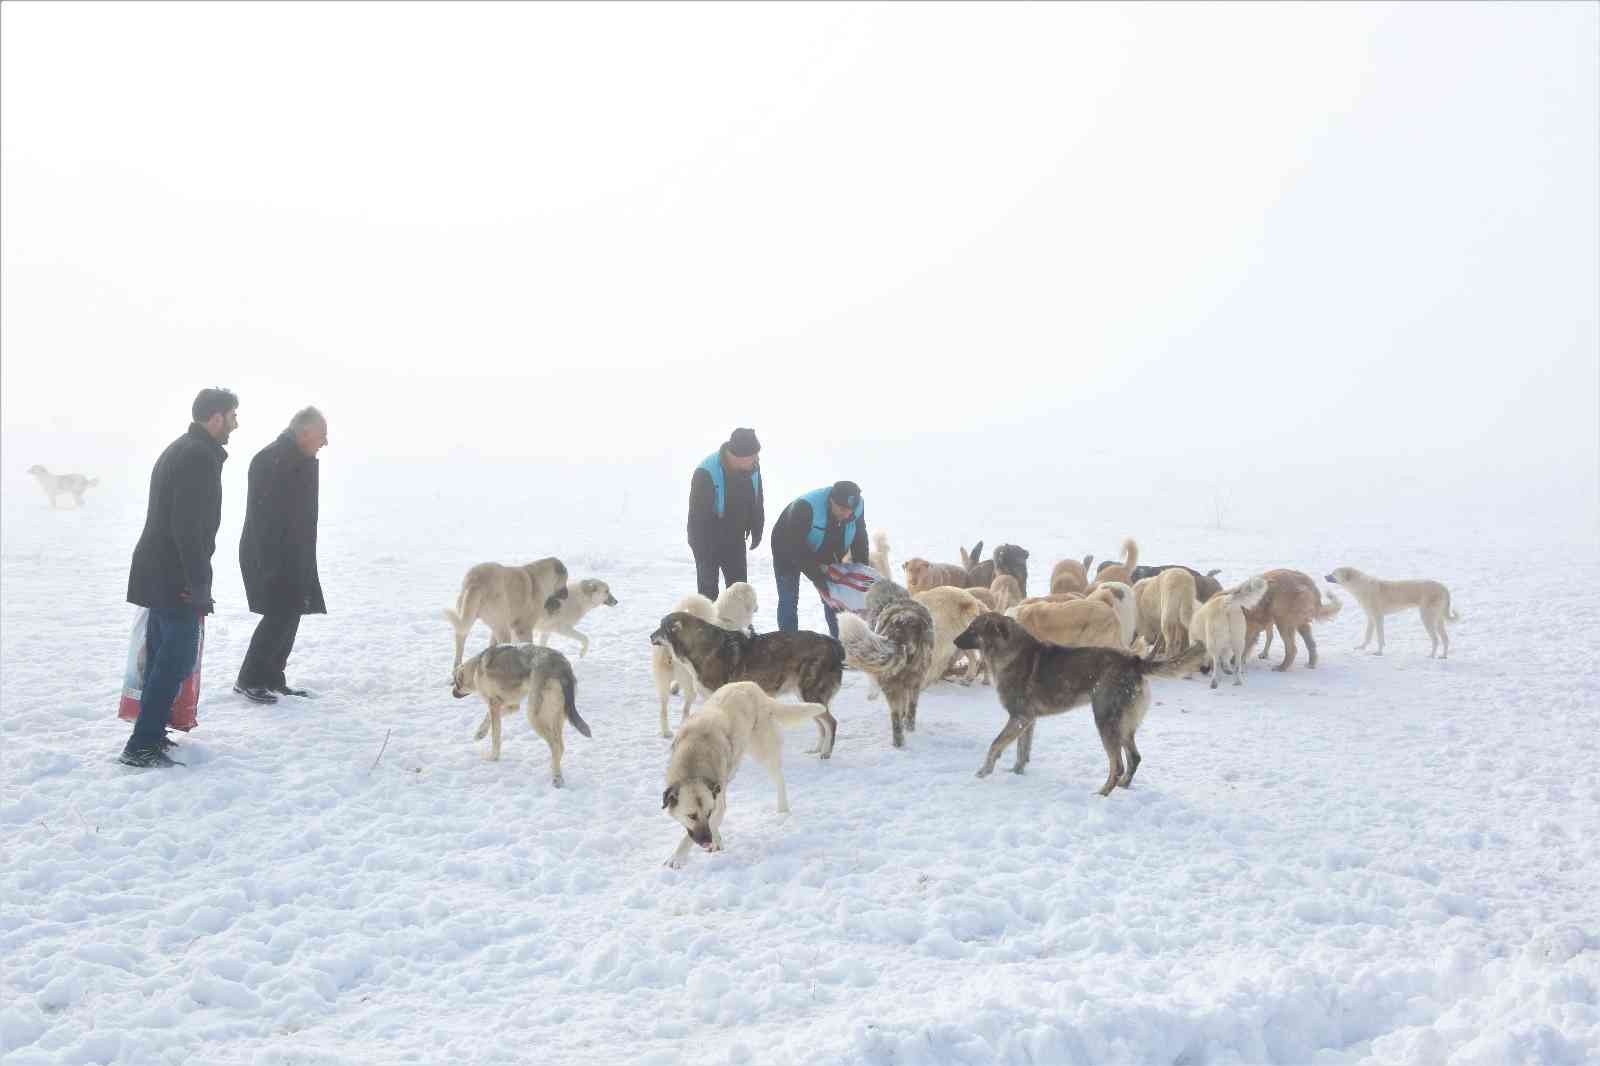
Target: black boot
(256,695)
(145,758)
(285,690)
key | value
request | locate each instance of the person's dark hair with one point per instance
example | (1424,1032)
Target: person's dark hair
(213,401)
(845,494)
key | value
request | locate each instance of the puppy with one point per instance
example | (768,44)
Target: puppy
(896,651)
(1070,575)
(738,720)
(922,575)
(74,485)
(1219,625)
(582,598)
(506,674)
(808,663)
(1291,604)
(1122,571)
(1008,592)
(1034,679)
(878,557)
(1008,559)
(1175,589)
(1119,597)
(734,609)
(952,610)
(513,600)
(1378,598)
(1084,623)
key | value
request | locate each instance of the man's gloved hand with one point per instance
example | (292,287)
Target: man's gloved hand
(755,538)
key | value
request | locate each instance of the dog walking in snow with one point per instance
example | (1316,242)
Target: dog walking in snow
(896,650)
(1378,598)
(738,720)
(506,674)
(74,485)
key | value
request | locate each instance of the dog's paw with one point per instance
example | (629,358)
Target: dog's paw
(1019,769)
(984,771)
(558,781)
(673,864)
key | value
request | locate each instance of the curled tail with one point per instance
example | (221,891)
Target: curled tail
(569,694)
(866,650)
(790,715)
(1130,550)
(1327,610)
(1178,665)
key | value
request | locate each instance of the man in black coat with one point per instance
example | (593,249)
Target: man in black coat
(278,553)
(171,571)
(726,503)
(819,528)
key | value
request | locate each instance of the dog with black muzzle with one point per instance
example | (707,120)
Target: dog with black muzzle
(513,600)
(738,720)
(506,674)
(1034,679)
(804,662)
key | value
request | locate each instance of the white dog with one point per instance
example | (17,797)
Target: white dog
(878,557)
(1219,624)
(738,720)
(1378,598)
(55,485)
(734,610)
(582,597)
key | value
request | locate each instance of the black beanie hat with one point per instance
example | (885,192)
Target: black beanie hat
(743,443)
(846,494)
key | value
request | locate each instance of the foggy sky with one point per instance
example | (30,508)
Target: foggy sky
(1330,240)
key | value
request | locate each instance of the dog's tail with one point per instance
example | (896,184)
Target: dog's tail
(1327,610)
(1088,561)
(453,617)
(866,650)
(880,541)
(569,695)
(1449,611)
(790,715)
(1183,663)
(1130,552)
(1247,595)
(91,482)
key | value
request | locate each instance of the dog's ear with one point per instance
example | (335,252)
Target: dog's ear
(669,798)
(1213,573)
(977,553)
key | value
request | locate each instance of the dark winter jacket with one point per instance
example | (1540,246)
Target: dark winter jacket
(743,509)
(789,544)
(278,548)
(173,556)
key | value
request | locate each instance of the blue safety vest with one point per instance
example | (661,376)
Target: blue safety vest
(719,479)
(818,499)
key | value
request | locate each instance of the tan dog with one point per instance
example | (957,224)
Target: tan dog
(1219,624)
(1122,571)
(1070,575)
(1119,597)
(513,600)
(1175,590)
(953,611)
(1054,597)
(1147,611)
(733,611)
(582,598)
(738,720)
(506,674)
(985,597)
(1291,605)
(922,575)
(878,557)
(1007,592)
(1083,624)
(1378,598)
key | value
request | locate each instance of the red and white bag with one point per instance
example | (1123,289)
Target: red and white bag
(185,708)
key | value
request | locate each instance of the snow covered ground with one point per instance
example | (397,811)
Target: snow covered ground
(1385,860)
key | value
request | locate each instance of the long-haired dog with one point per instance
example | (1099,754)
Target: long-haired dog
(1034,679)
(506,674)
(738,720)
(1378,598)
(896,651)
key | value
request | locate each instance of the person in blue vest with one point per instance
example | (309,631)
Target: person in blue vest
(725,506)
(817,529)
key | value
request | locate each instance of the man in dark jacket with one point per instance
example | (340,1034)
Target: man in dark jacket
(813,531)
(171,571)
(726,504)
(278,553)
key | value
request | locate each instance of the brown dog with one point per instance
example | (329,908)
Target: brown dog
(1070,575)
(1291,604)
(1122,571)
(922,575)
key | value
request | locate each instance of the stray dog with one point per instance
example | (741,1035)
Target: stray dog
(1070,575)
(1219,625)
(1008,559)
(1378,598)
(504,675)
(1008,592)
(591,593)
(55,485)
(1206,585)
(804,662)
(1176,590)
(738,720)
(1034,679)
(733,611)
(1122,571)
(1119,597)
(953,610)
(1291,604)
(1079,624)
(513,600)
(878,557)
(922,575)
(896,651)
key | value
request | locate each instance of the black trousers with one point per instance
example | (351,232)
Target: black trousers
(708,559)
(269,651)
